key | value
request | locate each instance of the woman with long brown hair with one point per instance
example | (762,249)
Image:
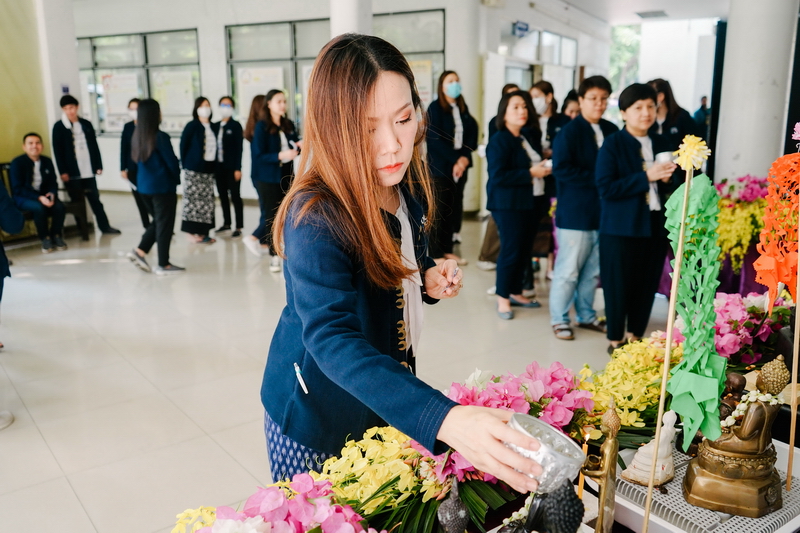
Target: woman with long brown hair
(673,122)
(352,232)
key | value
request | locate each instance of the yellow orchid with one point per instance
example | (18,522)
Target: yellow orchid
(740,223)
(692,152)
(196,518)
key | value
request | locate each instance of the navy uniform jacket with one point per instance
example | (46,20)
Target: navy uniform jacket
(442,156)
(12,221)
(64,149)
(21,175)
(348,338)
(161,173)
(554,125)
(623,186)
(125,161)
(264,150)
(193,143)
(232,145)
(675,130)
(574,158)
(510,185)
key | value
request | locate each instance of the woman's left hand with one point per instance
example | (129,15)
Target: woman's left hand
(444,280)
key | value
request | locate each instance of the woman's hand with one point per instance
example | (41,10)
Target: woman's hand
(237,175)
(661,171)
(460,167)
(444,280)
(124,174)
(479,434)
(540,170)
(287,155)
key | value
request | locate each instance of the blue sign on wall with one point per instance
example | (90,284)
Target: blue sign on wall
(520,29)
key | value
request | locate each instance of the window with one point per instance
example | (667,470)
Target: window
(116,68)
(280,55)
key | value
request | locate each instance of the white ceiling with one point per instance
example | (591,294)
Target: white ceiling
(624,11)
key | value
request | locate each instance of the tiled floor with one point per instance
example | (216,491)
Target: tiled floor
(137,396)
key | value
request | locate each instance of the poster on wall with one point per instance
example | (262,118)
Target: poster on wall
(174,90)
(87,96)
(423,75)
(118,89)
(252,81)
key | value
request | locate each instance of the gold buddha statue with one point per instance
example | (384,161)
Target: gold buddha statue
(736,473)
(603,469)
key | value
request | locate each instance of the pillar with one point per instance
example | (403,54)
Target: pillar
(755,79)
(351,16)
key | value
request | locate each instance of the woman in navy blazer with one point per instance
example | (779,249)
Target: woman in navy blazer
(230,141)
(275,146)
(126,166)
(198,158)
(672,121)
(633,188)
(515,196)
(450,147)
(158,175)
(352,230)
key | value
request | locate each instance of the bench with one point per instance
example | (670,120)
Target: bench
(75,208)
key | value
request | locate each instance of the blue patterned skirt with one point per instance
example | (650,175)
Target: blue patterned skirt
(288,457)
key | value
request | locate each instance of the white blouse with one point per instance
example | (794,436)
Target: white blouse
(413,309)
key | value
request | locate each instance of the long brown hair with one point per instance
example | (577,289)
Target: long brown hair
(662,86)
(254,116)
(462,105)
(339,182)
(266,115)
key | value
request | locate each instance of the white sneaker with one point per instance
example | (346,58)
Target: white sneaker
(6,419)
(275,263)
(492,290)
(486,265)
(252,244)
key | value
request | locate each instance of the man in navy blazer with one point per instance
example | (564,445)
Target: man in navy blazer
(577,268)
(78,159)
(35,189)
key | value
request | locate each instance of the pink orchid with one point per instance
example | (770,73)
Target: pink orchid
(796,134)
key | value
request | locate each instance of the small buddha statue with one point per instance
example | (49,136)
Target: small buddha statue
(603,469)
(736,473)
(641,466)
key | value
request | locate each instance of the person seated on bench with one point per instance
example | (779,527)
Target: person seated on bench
(35,189)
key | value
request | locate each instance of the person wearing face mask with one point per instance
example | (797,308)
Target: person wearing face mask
(274,147)
(451,137)
(230,141)
(126,166)
(633,188)
(550,121)
(199,160)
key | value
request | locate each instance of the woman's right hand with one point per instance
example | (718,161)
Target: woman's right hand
(479,434)
(287,155)
(540,170)
(661,171)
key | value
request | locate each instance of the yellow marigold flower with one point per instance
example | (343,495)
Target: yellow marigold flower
(692,152)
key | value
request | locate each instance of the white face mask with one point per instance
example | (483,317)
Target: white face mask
(540,104)
(203,112)
(132,113)
(226,111)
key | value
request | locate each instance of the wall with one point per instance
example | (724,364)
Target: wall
(22,106)
(688,66)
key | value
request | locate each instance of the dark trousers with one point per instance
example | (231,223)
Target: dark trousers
(142,207)
(78,188)
(458,203)
(441,241)
(162,208)
(630,269)
(517,230)
(227,182)
(540,206)
(56,213)
(270,196)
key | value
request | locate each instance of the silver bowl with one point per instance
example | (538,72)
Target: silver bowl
(561,458)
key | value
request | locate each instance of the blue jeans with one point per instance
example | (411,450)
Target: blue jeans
(575,276)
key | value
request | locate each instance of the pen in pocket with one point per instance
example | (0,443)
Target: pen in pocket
(300,378)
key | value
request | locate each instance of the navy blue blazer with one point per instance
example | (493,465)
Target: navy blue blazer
(554,125)
(64,149)
(675,130)
(193,145)
(348,338)
(510,185)
(21,174)
(264,150)
(624,189)
(125,161)
(161,173)
(12,221)
(574,158)
(232,144)
(440,134)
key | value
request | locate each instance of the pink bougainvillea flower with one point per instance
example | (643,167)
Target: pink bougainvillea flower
(796,134)
(269,503)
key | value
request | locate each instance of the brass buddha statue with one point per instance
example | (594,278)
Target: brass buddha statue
(603,469)
(736,473)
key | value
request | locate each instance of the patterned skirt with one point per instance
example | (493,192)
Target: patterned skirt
(198,202)
(288,457)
